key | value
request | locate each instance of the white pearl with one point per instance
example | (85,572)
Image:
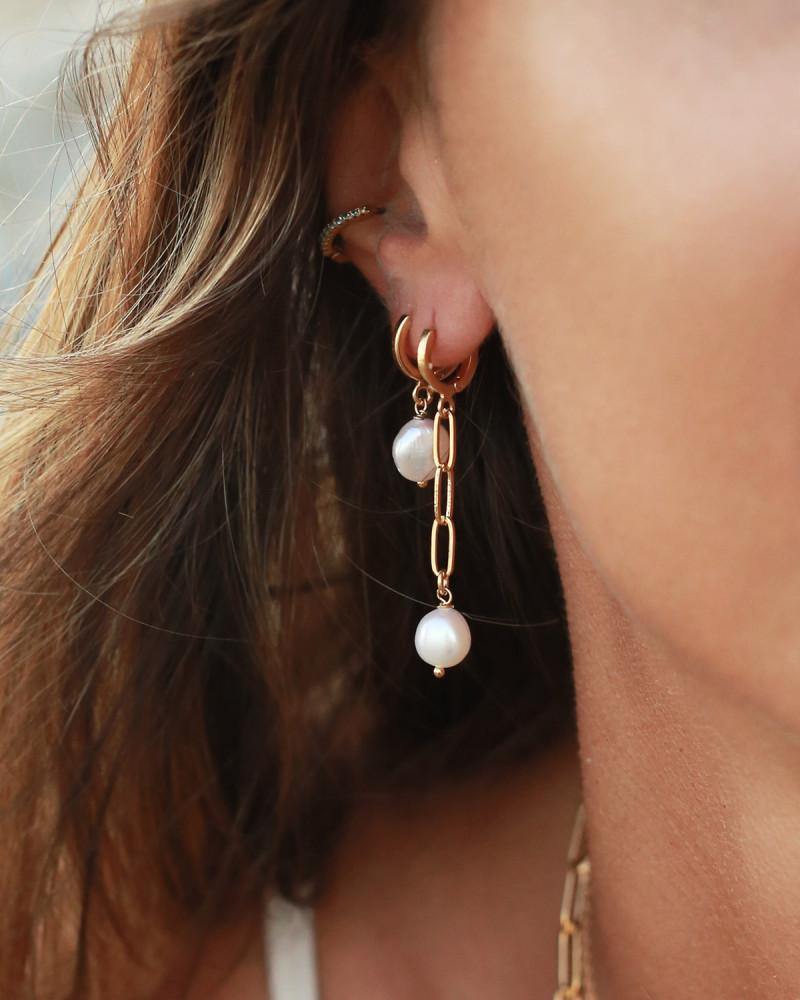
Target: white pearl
(412,449)
(443,638)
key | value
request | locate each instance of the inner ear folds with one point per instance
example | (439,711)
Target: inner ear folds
(362,150)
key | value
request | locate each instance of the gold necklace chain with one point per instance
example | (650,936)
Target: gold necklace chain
(574,965)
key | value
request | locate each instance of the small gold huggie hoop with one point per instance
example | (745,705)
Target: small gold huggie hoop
(444,381)
(332,231)
(457,381)
(399,344)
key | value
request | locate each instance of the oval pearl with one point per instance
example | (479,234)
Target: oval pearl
(443,638)
(412,449)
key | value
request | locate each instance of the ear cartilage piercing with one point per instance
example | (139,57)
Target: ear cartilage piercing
(424,450)
(329,238)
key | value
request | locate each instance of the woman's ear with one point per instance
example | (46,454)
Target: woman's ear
(383,152)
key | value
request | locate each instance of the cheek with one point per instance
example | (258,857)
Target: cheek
(640,245)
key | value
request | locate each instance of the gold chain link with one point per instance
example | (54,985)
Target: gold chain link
(422,397)
(444,492)
(443,473)
(573,955)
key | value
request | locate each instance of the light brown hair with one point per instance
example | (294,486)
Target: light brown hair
(210,571)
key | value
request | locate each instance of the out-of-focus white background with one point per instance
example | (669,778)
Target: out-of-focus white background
(35,160)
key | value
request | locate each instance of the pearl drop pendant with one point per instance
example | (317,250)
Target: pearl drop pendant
(412,449)
(443,639)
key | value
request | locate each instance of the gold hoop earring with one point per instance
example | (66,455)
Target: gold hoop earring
(330,237)
(424,450)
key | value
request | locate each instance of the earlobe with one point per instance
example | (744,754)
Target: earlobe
(433,284)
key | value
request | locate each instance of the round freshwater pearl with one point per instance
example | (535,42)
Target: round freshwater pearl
(443,638)
(412,449)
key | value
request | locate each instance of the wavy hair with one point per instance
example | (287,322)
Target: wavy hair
(210,573)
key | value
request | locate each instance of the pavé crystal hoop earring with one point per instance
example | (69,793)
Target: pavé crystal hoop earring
(330,238)
(424,450)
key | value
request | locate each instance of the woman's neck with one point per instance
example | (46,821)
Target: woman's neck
(453,894)
(693,814)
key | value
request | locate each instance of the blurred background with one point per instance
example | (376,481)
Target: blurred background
(38,146)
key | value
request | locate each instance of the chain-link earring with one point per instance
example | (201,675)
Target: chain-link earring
(424,450)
